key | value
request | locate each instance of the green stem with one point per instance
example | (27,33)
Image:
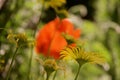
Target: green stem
(9,70)
(29,70)
(54,75)
(78,72)
(42,10)
(30,62)
(48,74)
(47,77)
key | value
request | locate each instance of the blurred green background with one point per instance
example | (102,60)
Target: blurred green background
(99,21)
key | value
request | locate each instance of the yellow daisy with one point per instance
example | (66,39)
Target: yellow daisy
(80,55)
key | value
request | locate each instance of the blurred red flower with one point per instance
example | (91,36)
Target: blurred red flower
(50,41)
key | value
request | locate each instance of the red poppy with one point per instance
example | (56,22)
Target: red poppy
(50,41)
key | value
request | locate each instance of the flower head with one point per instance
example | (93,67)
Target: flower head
(81,56)
(54,3)
(19,39)
(50,65)
(57,5)
(50,41)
